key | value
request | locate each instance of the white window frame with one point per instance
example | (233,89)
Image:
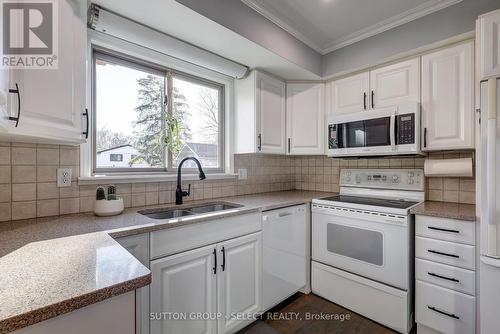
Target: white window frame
(119,46)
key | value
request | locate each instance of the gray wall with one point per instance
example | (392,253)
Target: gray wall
(236,16)
(446,23)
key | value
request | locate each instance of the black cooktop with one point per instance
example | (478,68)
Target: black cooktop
(397,204)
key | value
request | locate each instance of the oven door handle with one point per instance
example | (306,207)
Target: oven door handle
(392,130)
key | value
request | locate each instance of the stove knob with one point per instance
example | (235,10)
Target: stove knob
(410,181)
(395,178)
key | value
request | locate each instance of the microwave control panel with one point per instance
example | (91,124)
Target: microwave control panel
(405,125)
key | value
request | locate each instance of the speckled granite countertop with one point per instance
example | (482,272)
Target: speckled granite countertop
(48,278)
(42,277)
(446,210)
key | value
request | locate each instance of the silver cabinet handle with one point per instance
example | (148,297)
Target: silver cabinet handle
(284,214)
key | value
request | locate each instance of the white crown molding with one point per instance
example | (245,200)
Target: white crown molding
(259,8)
(424,9)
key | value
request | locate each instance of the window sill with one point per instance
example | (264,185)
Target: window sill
(128,178)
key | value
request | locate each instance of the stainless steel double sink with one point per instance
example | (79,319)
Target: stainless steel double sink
(169,213)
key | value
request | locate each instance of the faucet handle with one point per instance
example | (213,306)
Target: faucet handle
(189,190)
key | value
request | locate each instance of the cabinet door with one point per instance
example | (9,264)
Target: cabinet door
(448,98)
(305,119)
(349,95)
(53,100)
(395,84)
(270,109)
(138,246)
(239,281)
(184,283)
(4,99)
(489,32)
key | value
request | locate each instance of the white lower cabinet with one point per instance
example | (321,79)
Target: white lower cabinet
(111,316)
(445,299)
(184,284)
(444,310)
(239,280)
(208,289)
(138,246)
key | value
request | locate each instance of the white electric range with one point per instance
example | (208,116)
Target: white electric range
(363,244)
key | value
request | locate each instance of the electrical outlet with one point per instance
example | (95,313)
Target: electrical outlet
(64,177)
(242,174)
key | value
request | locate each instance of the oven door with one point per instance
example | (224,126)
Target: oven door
(368,244)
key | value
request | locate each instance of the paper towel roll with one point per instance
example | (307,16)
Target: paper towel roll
(448,167)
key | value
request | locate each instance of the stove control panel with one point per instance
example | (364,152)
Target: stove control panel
(406,179)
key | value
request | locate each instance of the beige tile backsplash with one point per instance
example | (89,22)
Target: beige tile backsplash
(28,186)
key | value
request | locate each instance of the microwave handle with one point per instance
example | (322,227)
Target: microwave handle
(392,130)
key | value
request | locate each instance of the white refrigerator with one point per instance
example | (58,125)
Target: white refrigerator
(489,203)
(488,171)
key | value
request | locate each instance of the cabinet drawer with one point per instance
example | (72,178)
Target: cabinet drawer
(446,229)
(454,278)
(445,310)
(182,238)
(451,253)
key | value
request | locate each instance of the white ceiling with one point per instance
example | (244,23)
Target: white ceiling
(178,21)
(327,25)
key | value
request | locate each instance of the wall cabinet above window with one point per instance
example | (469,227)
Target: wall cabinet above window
(48,104)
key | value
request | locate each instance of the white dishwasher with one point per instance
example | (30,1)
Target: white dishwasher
(286,251)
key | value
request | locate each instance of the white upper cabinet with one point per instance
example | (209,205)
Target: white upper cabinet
(305,118)
(240,281)
(395,84)
(4,99)
(489,45)
(260,114)
(270,112)
(349,95)
(383,87)
(53,100)
(448,98)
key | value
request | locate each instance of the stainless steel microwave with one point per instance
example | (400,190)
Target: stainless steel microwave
(385,131)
